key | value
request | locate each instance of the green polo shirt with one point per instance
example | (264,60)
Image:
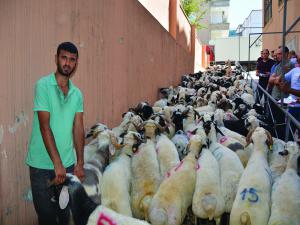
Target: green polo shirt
(49,97)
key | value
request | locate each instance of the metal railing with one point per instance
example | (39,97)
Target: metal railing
(292,125)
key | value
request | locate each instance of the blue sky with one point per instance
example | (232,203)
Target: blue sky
(240,9)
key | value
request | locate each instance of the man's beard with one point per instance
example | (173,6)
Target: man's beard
(62,72)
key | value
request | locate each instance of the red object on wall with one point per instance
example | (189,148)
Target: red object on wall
(208,55)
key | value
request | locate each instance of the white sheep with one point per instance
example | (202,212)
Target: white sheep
(145,179)
(167,154)
(181,142)
(189,123)
(85,211)
(285,194)
(122,128)
(248,98)
(231,169)
(169,204)
(116,178)
(97,155)
(277,162)
(218,117)
(208,201)
(102,216)
(252,202)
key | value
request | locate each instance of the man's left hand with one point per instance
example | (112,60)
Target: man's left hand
(79,171)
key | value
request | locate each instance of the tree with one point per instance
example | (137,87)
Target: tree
(195,11)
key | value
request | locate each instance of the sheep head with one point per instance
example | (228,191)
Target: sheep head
(95,130)
(259,135)
(137,121)
(152,128)
(127,115)
(195,144)
(290,148)
(133,140)
(251,122)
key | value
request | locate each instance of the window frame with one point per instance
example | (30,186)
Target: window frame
(267,11)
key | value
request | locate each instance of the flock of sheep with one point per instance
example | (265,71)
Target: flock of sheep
(202,154)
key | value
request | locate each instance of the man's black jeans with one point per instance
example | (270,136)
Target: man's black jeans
(48,211)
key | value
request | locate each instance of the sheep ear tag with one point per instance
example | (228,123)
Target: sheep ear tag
(64,197)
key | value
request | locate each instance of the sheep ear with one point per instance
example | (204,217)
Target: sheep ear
(269,140)
(64,197)
(112,149)
(96,134)
(249,137)
(114,143)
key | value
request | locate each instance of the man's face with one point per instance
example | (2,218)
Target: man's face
(265,54)
(66,63)
(279,55)
(275,56)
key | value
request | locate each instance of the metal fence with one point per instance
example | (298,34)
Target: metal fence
(290,125)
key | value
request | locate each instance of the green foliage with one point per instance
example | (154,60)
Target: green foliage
(195,11)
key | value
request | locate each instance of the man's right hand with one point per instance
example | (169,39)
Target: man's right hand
(60,173)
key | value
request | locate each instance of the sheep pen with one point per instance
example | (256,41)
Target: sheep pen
(202,154)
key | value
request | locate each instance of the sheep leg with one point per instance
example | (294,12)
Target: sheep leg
(206,221)
(225,219)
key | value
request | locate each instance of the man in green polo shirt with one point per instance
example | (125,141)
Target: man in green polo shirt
(57,129)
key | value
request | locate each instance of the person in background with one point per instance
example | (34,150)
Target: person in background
(276,76)
(261,56)
(278,115)
(263,69)
(291,85)
(56,129)
(293,57)
(273,69)
(273,54)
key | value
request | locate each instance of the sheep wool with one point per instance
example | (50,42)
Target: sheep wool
(235,146)
(208,201)
(286,195)
(170,203)
(116,179)
(145,179)
(231,169)
(277,162)
(105,216)
(252,202)
(166,153)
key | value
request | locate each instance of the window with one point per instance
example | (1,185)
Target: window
(267,11)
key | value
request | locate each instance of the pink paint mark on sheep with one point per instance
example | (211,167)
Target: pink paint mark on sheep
(223,139)
(105,220)
(178,166)
(136,152)
(168,174)
(189,134)
(197,166)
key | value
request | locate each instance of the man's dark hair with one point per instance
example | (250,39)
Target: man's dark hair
(267,50)
(286,49)
(67,46)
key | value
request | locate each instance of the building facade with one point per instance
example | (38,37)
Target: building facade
(273,22)
(215,21)
(252,24)
(235,47)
